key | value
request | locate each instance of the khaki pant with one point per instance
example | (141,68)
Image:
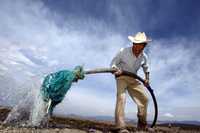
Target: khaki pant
(137,93)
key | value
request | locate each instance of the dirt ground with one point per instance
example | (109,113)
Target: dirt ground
(80,125)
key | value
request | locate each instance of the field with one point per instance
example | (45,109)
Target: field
(82,125)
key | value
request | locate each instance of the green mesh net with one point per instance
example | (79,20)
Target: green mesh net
(56,85)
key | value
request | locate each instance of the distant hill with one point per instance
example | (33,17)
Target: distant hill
(111,118)
(197,123)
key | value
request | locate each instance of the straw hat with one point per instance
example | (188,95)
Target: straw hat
(140,37)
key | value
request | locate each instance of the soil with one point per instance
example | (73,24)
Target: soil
(80,125)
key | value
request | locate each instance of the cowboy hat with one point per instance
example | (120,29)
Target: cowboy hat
(140,37)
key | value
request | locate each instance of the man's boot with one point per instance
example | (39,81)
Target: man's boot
(142,125)
(123,130)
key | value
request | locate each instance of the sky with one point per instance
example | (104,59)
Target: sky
(42,36)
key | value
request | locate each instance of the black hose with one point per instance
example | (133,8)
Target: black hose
(111,70)
(151,92)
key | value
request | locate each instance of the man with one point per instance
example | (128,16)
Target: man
(131,59)
(56,85)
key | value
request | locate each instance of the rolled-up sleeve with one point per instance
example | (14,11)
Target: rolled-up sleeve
(116,60)
(145,63)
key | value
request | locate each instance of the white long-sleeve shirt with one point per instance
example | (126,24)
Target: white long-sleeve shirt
(127,61)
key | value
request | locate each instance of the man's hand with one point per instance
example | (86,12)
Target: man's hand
(118,72)
(146,82)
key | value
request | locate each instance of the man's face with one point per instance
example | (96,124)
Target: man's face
(138,48)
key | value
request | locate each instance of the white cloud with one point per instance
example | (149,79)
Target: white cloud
(33,45)
(84,101)
(174,70)
(168,115)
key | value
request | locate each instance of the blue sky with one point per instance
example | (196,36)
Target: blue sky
(38,37)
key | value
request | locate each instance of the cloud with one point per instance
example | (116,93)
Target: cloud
(168,115)
(32,44)
(82,101)
(176,68)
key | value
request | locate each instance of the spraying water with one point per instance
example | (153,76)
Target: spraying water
(29,111)
(38,114)
(41,99)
